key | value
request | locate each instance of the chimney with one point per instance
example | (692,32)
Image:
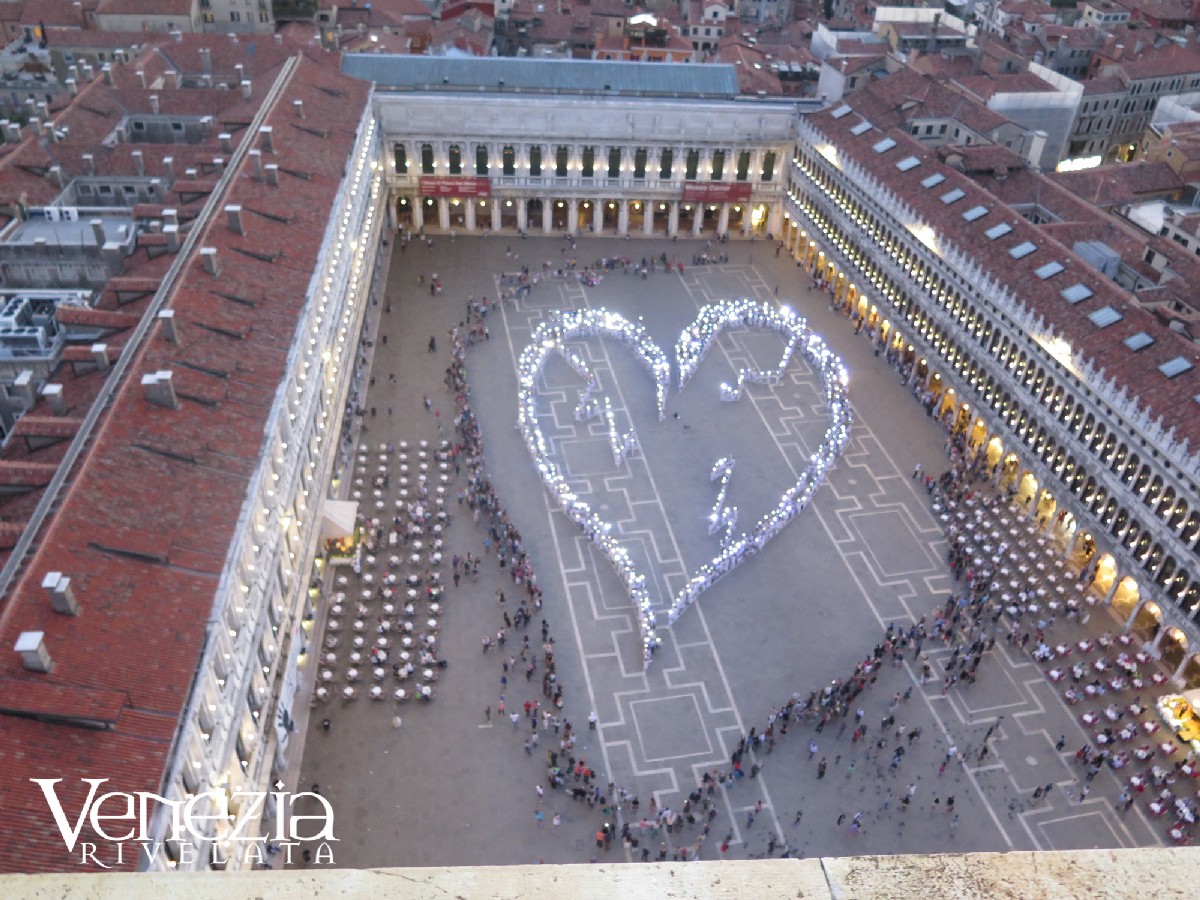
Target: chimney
(23,388)
(154,106)
(171,232)
(36,124)
(43,109)
(57,172)
(247,92)
(141,77)
(100,356)
(178,36)
(208,256)
(218,164)
(168,164)
(160,389)
(171,216)
(97,231)
(226,140)
(112,253)
(139,164)
(205,60)
(87,71)
(272,171)
(299,104)
(278,38)
(169,330)
(89,163)
(234,214)
(238,69)
(34,655)
(73,71)
(173,74)
(106,71)
(256,161)
(54,398)
(72,87)
(62,598)
(268,145)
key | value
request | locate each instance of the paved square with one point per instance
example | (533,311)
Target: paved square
(670,728)
(454,782)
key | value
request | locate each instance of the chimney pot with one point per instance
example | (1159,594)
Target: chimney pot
(173,74)
(154,105)
(160,389)
(299,104)
(272,171)
(234,214)
(226,140)
(208,256)
(218,164)
(89,163)
(54,398)
(34,655)
(256,161)
(268,145)
(87,71)
(168,163)
(139,163)
(172,234)
(72,86)
(141,77)
(62,598)
(97,231)
(169,329)
(247,89)
(23,387)
(57,172)
(100,356)
(171,216)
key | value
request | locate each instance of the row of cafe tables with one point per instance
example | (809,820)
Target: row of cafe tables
(1108,674)
(385,612)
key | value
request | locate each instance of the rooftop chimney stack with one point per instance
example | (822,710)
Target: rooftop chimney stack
(272,172)
(205,60)
(247,91)
(208,256)
(141,77)
(97,231)
(171,232)
(160,389)
(62,598)
(168,164)
(139,163)
(226,140)
(89,163)
(256,161)
(299,104)
(87,71)
(234,213)
(268,144)
(100,356)
(72,87)
(155,108)
(173,74)
(171,216)
(36,124)
(169,330)
(54,398)
(218,164)
(106,71)
(34,655)
(57,172)
(23,388)
(178,36)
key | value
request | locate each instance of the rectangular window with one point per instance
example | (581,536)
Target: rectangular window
(666,164)
(400,155)
(589,162)
(692,168)
(639,163)
(614,162)
(235,16)
(535,162)
(718,165)
(743,165)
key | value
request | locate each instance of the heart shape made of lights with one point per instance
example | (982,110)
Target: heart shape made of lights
(550,339)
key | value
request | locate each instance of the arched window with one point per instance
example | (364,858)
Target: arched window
(427,159)
(639,163)
(562,156)
(692,167)
(743,166)
(614,162)
(768,166)
(589,162)
(508,159)
(666,163)
(535,162)
(455,159)
(400,155)
(481,160)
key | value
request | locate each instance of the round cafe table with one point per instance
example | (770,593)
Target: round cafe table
(348,693)
(355,658)
(326,675)
(358,641)
(400,694)
(379,673)
(427,674)
(376,692)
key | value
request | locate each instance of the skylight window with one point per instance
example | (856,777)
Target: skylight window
(1105,316)
(933,180)
(843,110)
(953,196)
(884,146)
(1022,250)
(909,162)
(1076,293)
(861,128)
(1139,341)
(1176,366)
(1049,270)
(998,231)
(975,212)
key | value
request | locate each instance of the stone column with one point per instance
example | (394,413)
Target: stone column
(522,214)
(470,214)
(697,219)
(723,219)
(443,208)
(776,223)
(598,216)
(648,218)
(547,215)
(497,215)
(623,218)
(573,215)
(673,219)
(418,214)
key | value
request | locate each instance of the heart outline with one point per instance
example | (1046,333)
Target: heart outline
(548,340)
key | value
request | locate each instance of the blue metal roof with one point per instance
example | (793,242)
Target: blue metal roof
(569,76)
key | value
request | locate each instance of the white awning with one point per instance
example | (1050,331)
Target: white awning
(337,519)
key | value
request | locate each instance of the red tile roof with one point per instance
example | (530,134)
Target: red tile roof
(142,531)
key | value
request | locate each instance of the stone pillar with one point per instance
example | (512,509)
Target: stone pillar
(1112,589)
(573,216)
(673,219)
(470,214)
(747,219)
(548,215)
(723,219)
(497,215)
(623,218)
(697,219)
(1177,675)
(598,216)
(522,214)
(648,218)
(443,208)
(776,223)
(418,214)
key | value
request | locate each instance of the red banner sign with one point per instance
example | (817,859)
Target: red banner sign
(455,186)
(716,191)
